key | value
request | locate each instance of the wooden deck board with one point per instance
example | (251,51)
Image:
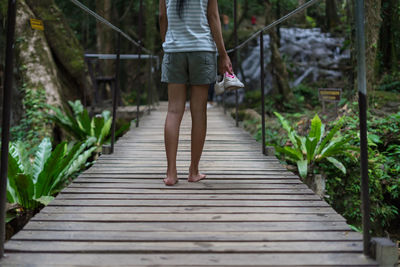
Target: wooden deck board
(250,211)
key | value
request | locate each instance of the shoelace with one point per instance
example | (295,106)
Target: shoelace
(229,75)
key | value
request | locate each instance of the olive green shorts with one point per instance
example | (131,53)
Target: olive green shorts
(194,68)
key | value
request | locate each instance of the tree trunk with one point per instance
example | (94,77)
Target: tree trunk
(372,26)
(332,18)
(37,69)
(65,47)
(301,17)
(105,35)
(149,42)
(279,71)
(387,41)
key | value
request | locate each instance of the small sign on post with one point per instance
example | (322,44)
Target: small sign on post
(333,95)
(37,24)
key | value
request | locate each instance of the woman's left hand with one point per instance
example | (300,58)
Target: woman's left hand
(225,64)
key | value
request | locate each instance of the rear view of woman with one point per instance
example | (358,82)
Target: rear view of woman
(191,35)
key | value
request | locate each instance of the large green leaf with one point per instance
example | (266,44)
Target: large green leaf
(46,177)
(76,107)
(76,165)
(25,191)
(285,124)
(337,164)
(311,144)
(45,200)
(66,121)
(302,166)
(79,161)
(337,146)
(330,135)
(20,155)
(12,196)
(41,156)
(84,122)
(104,131)
(97,125)
(292,153)
(106,114)
(315,131)
(62,172)
(13,171)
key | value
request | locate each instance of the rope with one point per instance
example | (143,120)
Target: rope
(106,22)
(273,24)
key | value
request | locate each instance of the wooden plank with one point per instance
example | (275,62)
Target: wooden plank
(184,247)
(185,236)
(195,259)
(156,179)
(187,210)
(105,190)
(180,217)
(188,226)
(187,196)
(192,203)
(193,186)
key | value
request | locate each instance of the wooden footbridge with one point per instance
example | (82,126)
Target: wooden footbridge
(250,211)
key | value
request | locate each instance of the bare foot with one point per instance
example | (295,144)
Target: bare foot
(170,181)
(195,176)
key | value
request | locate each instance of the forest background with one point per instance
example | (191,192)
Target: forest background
(51,70)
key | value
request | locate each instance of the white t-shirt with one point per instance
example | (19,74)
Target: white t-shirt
(191,32)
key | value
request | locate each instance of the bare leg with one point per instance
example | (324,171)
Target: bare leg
(176,108)
(198,110)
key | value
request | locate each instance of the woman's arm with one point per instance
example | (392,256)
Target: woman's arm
(225,64)
(163,19)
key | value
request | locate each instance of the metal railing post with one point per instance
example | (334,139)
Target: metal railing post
(362,100)
(235,67)
(262,92)
(115,93)
(149,87)
(139,59)
(5,133)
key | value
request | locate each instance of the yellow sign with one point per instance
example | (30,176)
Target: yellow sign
(330,94)
(37,24)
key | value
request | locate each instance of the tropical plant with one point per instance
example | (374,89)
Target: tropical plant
(32,182)
(306,151)
(80,126)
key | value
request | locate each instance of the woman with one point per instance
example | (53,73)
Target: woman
(191,35)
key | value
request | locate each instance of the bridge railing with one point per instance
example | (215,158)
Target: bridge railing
(8,85)
(361,72)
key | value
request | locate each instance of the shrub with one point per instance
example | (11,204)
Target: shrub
(34,182)
(80,126)
(307,151)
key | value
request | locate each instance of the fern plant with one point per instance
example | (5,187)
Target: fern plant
(306,151)
(80,126)
(34,182)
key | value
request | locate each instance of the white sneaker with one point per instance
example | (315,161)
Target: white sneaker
(228,82)
(232,82)
(219,85)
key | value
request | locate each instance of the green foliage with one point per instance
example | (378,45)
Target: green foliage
(311,21)
(81,127)
(306,151)
(390,82)
(384,174)
(306,95)
(34,125)
(34,182)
